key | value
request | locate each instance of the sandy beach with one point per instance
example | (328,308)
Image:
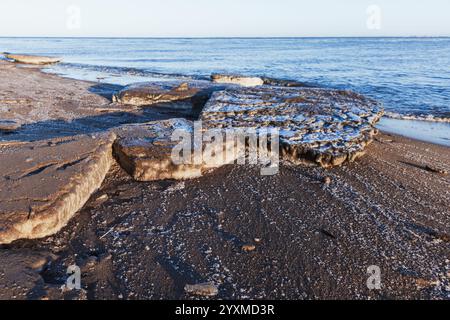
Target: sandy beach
(305,233)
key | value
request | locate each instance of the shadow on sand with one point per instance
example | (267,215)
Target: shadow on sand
(56,128)
(105,90)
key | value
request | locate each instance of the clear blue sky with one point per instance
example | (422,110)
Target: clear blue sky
(217,18)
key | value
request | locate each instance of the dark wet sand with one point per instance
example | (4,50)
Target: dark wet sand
(312,240)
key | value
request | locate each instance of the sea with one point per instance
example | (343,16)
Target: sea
(410,76)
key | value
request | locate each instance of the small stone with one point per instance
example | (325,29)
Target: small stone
(248,248)
(202,289)
(102,198)
(257,240)
(327,181)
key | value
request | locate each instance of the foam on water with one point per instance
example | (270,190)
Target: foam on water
(418,117)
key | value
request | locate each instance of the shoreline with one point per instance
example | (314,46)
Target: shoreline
(420,130)
(309,239)
(434,130)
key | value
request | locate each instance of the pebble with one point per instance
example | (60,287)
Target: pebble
(248,247)
(103,197)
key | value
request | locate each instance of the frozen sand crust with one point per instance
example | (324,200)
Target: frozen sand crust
(249,81)
(30,59)
(45,183)
(317,126)
(141,94)
(191,95)
(145,152)
(237,79)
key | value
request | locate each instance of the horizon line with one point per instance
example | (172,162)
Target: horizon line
(221,37)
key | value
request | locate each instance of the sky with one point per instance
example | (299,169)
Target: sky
(224,18)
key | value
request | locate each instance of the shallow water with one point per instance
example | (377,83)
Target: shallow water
(438,133)
(410,76)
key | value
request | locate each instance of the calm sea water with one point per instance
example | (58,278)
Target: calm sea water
(411,76)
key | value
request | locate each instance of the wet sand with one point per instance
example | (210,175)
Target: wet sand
(312,240)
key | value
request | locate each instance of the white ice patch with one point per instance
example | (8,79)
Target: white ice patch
(327,121)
